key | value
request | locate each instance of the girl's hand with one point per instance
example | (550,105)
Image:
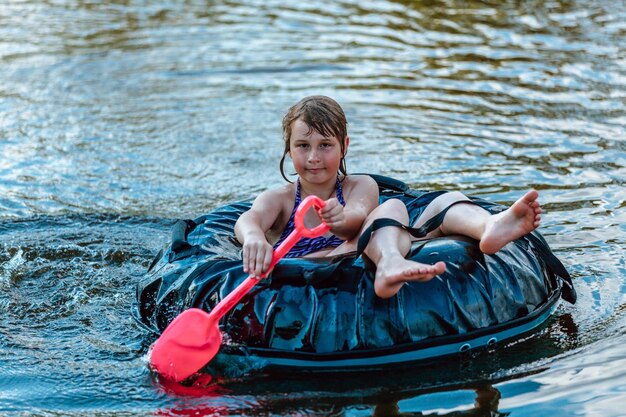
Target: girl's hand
(332,213)
(257,256)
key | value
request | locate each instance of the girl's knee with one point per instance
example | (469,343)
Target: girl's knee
(455,196)
(446,199)
(392,208)
(393,204)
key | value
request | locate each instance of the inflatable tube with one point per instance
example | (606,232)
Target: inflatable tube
(323,314)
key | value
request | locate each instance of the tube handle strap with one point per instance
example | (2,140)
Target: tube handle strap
(180,247)
(418,232)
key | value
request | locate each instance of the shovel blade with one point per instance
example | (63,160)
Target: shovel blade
(186,345)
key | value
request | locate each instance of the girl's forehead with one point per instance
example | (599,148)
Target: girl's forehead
(301,130)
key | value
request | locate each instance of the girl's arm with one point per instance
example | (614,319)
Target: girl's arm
(346,222)
(251,229)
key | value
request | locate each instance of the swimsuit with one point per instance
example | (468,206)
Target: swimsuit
(309,245)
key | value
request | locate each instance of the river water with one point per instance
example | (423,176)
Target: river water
(117,118)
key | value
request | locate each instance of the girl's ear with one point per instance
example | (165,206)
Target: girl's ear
(345,146)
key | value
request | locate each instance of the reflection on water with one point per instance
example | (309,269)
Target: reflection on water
(476,401)
(118,117)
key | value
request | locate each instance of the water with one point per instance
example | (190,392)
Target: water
(117,118)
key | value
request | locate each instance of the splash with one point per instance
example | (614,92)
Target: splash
(8,271)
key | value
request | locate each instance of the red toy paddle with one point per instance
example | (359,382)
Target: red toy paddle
(193,338)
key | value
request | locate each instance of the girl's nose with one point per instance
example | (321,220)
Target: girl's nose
(313,156)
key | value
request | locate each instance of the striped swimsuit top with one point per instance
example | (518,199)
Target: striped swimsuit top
(309,245)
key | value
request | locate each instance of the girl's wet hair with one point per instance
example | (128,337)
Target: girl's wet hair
(322,114)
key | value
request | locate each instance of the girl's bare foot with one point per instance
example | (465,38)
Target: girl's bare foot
(393,272)
(518,220)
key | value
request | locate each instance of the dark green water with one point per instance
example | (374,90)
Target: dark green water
(117,118)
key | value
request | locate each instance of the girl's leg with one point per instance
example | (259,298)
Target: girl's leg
(388,247)
(493,231)
(462,219)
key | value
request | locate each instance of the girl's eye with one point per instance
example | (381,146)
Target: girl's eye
(326,145)
(302,145)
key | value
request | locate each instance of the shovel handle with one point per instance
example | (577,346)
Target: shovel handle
(298,233)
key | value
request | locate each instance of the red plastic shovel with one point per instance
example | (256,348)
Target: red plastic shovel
(193,338)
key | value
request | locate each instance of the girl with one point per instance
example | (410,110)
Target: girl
(316,140)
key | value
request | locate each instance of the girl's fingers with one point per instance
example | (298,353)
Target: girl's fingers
(258,270)
(267,260)
(252,265)
(256,257)
(245,258)
(258,262)
(249,260)
(262,261)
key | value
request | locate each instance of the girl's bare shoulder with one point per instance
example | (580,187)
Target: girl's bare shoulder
(360,190)
(360,183)
(278,197)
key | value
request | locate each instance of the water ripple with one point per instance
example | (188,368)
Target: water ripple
(116,118)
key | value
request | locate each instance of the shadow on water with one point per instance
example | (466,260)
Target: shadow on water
(477,400)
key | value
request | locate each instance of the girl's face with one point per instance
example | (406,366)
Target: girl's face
(316,158)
